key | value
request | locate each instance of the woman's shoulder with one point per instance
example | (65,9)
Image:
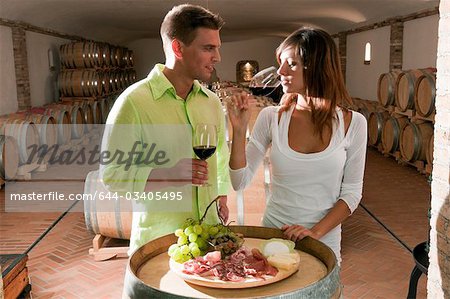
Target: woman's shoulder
(272,109)
(358,122)
(269,111)
(357,118)
(352,120)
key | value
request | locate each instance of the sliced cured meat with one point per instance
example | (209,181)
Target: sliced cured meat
(237,267)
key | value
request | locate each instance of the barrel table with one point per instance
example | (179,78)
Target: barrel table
(148,274)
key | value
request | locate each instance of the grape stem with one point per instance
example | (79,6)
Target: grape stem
(207,208)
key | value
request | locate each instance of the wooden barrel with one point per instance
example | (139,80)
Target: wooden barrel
(62,119)
(105,55)
(392,128)
(121,80)
(87,107)
(46,125)
(132,76)
(104,78)
(375,126)
(112,77)
(80,55)
(125,58)
(81,118)
(79,83)
(100,59)
(386,88)
(113,81)
(430,150)
(27,137)
(9,157)
(77,120)
(317,277)
(405,87)
(110,103)
(88,116)
(414,140)
(96,113)
(425,94)
(110,218)
(129,77)
(126,79)
(104,109)
(116,56)
(130,58)
(365,108)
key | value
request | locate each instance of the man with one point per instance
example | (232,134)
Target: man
(171,95)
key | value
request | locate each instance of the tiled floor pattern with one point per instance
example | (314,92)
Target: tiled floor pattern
(375,265)
(18,231)
(398,196)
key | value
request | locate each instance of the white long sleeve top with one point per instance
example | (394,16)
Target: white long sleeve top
(305,187)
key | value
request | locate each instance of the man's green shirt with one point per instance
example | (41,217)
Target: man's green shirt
(153,101)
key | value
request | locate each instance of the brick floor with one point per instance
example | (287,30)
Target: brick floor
(375,264)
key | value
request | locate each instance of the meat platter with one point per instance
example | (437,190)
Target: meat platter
(247,282)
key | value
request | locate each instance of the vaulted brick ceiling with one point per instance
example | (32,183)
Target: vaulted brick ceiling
(121,21)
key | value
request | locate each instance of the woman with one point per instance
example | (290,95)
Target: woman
(318,148)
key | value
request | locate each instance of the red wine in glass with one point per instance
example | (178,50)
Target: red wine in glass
(205,141)
(267,83)
(203,152)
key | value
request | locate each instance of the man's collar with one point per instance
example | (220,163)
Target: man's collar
(160,84)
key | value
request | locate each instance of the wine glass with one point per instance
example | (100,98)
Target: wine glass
(205,141)
(265,82)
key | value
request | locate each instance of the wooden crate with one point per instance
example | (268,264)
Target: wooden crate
(16,283)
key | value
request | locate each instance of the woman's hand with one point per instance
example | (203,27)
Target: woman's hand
(297,232)
(223,208)
(239,110)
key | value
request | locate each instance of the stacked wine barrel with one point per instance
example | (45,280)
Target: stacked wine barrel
(18,137)
(54,125)
(400,124)
(409,92)
(94,72)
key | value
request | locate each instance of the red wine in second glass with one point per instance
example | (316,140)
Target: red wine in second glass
(204,152)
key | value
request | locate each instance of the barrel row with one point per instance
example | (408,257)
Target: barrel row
(55,124)
(409,140)
(409,90)
(398,133)
(89,54)
(93,83)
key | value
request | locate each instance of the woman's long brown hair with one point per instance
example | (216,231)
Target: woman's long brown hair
(322,75)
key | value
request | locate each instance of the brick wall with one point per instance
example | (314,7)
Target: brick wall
(19,30)
(21,66)
(396,47)
(396,43)
(439,269)
(343,51)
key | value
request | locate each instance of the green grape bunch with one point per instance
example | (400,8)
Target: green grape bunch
(196,239)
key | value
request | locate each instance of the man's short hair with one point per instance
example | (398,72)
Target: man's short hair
(182,21)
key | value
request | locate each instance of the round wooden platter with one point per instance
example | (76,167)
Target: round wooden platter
(156,274)
(215,282)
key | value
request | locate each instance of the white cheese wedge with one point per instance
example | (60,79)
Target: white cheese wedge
(285,261)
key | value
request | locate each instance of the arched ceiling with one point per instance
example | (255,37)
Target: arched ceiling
(122,21)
